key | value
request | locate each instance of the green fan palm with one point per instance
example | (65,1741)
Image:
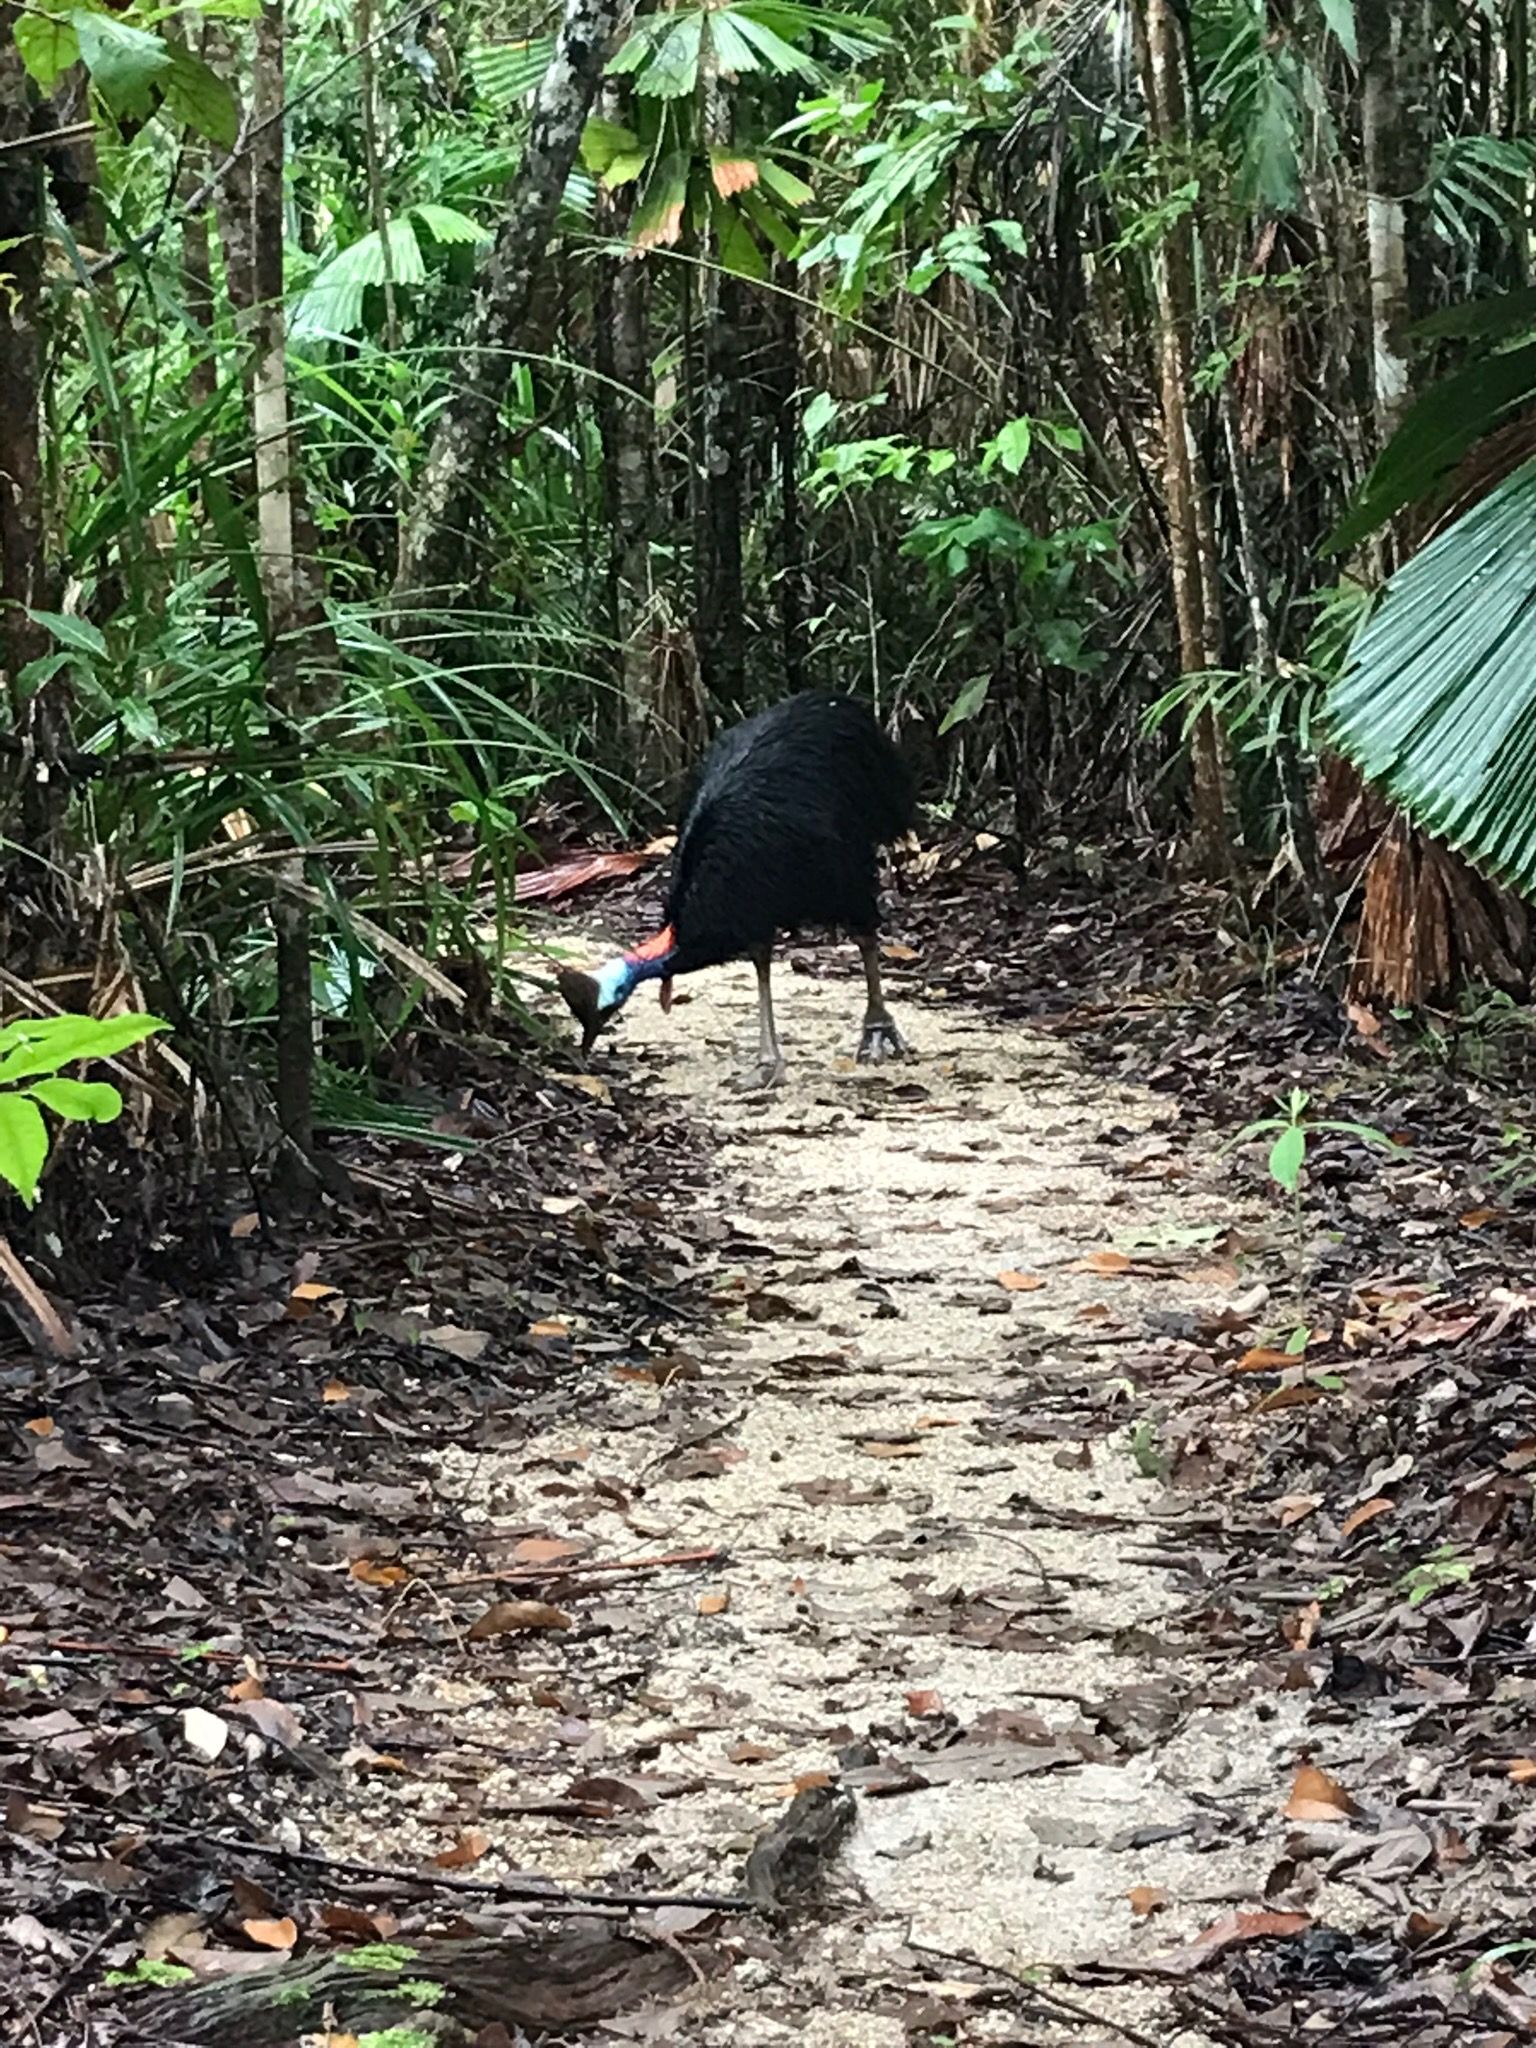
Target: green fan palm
(1437,704)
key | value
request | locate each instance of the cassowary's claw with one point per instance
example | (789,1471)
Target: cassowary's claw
(882,1041)
(761,1076)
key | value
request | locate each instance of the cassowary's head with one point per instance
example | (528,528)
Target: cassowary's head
(593,998)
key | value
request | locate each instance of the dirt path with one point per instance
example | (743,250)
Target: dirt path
(940,1540)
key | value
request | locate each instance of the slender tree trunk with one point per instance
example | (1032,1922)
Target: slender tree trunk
(22,574)
(1394,85)
(1191,538)
(285,580)
(465,443)
(719,625)
(784,389)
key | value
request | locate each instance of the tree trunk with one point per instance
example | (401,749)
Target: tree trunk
(1190,529)
(784,388)
(285,582)
(465,442)
(1394,73)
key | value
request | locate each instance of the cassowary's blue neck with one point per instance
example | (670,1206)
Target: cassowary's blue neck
(616,979)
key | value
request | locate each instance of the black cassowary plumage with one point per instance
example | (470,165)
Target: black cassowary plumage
(780,832)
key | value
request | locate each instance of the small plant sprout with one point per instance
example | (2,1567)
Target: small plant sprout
(1291,1134)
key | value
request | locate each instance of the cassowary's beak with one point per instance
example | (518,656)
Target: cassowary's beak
(584,1000)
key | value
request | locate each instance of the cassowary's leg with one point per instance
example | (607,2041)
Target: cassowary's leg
(880,1040)
(769,1072)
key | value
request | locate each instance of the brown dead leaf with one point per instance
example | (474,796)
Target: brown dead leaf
(925,1705)
(549,1332)
(1523,1771)
(335,1390)
(1146,1899)
(1019,1283)
(371,1571)
(751,1753)
(469,1848)
(1295,1507)
(278,1934)
(545,1550)
(1366,1512)
(1104,1262)
(507,1617)
(894,950)
(1287,1397)
(246,1225)
(380,1925)
(1262,1359)
(878,1448)
(589,1084)
(1474,1219)
(1317,1797)
(311,1297)
(811,1781)
(41,1425)
(732,174)
(714,1603)
(1299,1627)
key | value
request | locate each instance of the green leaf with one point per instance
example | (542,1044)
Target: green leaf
(1010,446)
(739,253)
(447,225)
(1437,704)
(1340,17)
(1436,432)
(1287,1156)
(506,73)
(48,46)
(333,301)
(602,141)
(44,1044)
(126,64)
(23,1145)
(1491,319)
(198,98)
(79,635)
(80,1102)
(784,185)
(967,704)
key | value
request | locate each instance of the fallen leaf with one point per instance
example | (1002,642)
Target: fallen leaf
(562,1205)
(1317,1797)
(545,1550)
(205,1734)
(1019,1283)
(925,1706)
(876,1448)
(1146,1899)
(751,1753)
(172,1932)
(1366,1512)
(41,1425)
(1523,1771)
(371,1571)
(1233,1928)
(273,1720)
(714,1603)
(379,1925)
(1295,1507)
(507,1617)
(1262,1359)
(335,1390)
(1299,1627)
(1105,1262)
(246,1225)
(589,1084)
(1287,1397)
(549,1332)
(894,950)
(278,1934)
(1474,1219)
(310,1296)
(469,1848)
(466,1344)
(812,1781)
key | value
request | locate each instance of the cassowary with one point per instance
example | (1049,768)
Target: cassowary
(780,832)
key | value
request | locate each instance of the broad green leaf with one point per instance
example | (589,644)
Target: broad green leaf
(54,1042)
(658,216)
(1287,1156)
(48,46)
(739,253)
(23,1145)
(80,1102)
(200,99)
(672,69)
(1437,704)
(785,185)
(968,703)
(126,64)
(333,301)
(1340,17)
(1436,432)
(1491,319)
(602,141)
(1010,446)
(78,635)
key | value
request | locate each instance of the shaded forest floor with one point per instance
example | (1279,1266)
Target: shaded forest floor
(590,1486)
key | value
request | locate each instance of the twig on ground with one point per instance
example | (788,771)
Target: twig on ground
(1046,1994)
(42,1311)
(338,1667)
(575,1567)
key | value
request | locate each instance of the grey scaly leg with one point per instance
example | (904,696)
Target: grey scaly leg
(769,1071)
(880,1039)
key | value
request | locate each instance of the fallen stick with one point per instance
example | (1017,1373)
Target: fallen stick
(67,1646)
(1072,2007)
(573,1567)
(42,1311)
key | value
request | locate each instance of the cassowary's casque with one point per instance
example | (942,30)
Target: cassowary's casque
(780,832)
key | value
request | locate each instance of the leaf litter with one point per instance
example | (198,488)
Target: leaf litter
(1221,1727)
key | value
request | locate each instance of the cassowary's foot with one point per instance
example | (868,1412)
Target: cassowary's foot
(761,1076)
(881,1041)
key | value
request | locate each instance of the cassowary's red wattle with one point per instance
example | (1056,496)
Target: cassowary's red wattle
(780,832)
